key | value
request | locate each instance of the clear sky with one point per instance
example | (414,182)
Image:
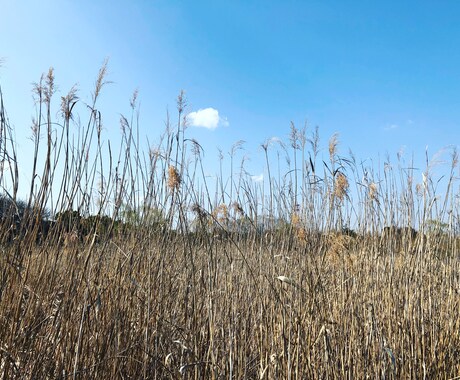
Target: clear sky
(384,75)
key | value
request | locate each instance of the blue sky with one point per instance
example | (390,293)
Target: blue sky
(384,75)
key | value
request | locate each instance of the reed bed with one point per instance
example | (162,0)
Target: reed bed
(127,263)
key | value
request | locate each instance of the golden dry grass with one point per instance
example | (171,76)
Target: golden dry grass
(140,310)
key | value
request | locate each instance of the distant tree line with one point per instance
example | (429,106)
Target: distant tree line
(20,221)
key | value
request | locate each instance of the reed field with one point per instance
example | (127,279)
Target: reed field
(127,262)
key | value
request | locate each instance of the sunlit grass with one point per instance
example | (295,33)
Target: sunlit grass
(125,263)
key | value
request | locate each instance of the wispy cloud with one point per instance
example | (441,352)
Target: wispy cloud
(275,140)
(391,127)
(404,124)
(206,118)
(258,178)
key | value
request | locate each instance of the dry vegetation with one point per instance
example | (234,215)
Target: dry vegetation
(297,279)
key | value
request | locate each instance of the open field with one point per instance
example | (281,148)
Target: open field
(330,269)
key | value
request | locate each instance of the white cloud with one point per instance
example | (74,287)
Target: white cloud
(391,127)
(275,139)
(258,178)
(206,118)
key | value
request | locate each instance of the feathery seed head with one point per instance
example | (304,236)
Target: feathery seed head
(174,179)
(238,209)
(295,219)
(68,102)
(373,191)
(198,211)
(301,234)
(100,81)
(220,213)
(333,142)
(49,88)
(341,186)
(133,100)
